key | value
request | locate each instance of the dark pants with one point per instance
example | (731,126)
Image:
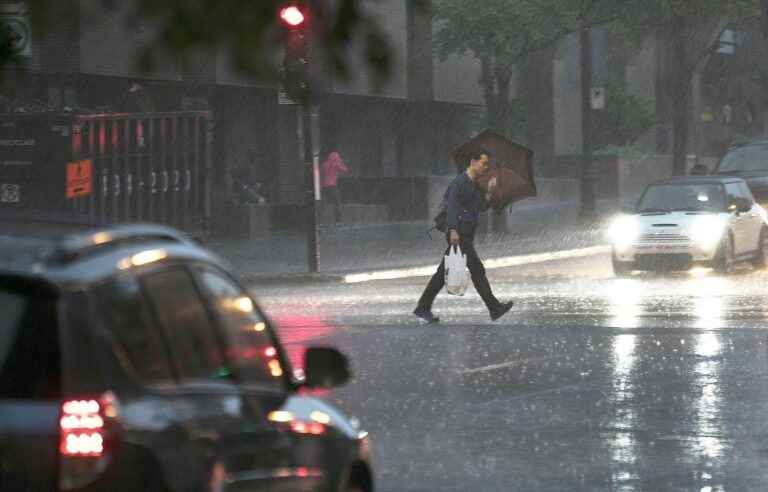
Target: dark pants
(331,196)
(476,270)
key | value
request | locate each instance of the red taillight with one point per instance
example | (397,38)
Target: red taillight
(82,427)
(314,428)
(85,444)
(88,429)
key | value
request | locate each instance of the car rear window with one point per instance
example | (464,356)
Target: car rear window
(29,348)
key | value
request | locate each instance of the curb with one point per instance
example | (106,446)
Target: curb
(353,277)
(293,278)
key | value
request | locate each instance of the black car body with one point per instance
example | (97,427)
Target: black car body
(131,360)
(748,161)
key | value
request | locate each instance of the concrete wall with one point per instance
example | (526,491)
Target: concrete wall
(640,72)
(392,17)
(567,102)
(550,191)
(456,80)
(437,187)
(636,173)
(108,46)
(555,190)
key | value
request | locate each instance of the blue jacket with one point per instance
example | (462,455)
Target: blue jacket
(464,203)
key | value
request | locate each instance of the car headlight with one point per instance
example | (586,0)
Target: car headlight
(623,230)
(706,231)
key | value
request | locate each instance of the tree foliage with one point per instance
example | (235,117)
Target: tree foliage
(688,32)
(502,33)
(625,117)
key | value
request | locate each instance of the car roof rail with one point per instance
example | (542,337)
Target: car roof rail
(79,245)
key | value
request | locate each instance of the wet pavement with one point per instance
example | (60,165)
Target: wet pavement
(592,383)
(400,244)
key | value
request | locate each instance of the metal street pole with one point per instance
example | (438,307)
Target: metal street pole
(309,129)
(587,167)
(297,66)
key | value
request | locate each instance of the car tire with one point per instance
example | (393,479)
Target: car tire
(724,256)
(622,268)
(357,478)
(761,258)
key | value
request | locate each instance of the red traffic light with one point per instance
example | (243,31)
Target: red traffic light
(292,16)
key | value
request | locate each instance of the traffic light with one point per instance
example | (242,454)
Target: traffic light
(295,52)
(292,16)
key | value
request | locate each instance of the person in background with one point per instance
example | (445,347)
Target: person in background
(330,169)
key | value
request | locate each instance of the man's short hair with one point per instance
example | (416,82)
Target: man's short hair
(474,155)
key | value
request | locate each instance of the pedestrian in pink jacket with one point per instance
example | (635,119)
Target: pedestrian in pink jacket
(332,166)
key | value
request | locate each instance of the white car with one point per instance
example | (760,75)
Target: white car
(710,221)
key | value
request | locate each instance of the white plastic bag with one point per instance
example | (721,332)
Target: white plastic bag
(456,274)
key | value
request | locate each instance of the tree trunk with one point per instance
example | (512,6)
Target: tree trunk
(495,82)
(680,123)
(680,99)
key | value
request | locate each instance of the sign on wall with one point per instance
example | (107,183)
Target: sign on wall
(15,28)
(79,178)
(598,97)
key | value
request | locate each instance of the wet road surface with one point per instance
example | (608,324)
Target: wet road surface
(591,383)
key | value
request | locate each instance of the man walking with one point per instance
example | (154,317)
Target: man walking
(332,166)
(465,201)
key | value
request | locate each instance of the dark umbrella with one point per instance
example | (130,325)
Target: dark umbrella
(511,164)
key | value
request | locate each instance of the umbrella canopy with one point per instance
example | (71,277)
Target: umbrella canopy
(510,163)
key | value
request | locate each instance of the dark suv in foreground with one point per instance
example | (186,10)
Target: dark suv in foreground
(748,161)
(130,360)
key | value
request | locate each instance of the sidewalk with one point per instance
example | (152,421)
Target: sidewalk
(282,255)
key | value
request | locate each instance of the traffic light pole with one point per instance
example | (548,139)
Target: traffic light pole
(309,135)
(297,84)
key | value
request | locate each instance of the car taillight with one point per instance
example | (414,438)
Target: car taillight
(85,427)
(82,429)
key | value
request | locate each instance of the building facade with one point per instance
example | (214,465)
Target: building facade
(86,60)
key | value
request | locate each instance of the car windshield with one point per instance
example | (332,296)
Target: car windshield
(683,197)
(750,158)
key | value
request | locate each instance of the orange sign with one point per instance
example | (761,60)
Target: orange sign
(79,181)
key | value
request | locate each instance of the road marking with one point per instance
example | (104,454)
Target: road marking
(502,365)
(490,264)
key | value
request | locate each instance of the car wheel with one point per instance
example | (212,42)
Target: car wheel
(761,258)
(622,268)
(724,256)
(357,479)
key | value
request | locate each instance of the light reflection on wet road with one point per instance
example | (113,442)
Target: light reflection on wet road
(594,383)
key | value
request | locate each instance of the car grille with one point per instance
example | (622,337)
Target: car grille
(667,241)
(673,239)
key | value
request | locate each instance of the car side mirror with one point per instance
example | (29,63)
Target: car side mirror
(325,368)
(741,205)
